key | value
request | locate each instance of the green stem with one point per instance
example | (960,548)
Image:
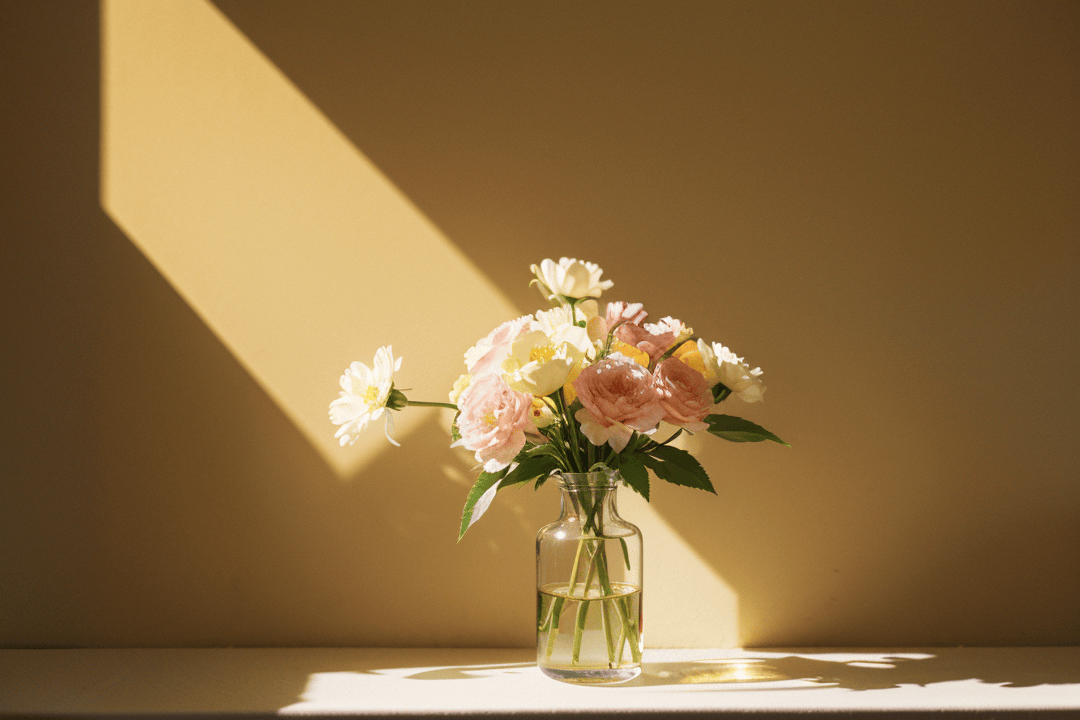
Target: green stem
(622,644)
(628,624)
(652,444)
(569,428)
(605,620)
(574,568)
(553,631)
(420,403)
(583,611)
(560,449)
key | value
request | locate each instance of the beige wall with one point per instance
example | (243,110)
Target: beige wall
(875,203)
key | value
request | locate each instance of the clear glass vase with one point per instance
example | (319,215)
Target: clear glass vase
(588,586)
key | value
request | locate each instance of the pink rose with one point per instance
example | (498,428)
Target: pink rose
(684,394)
(618,397)
(487,355)
(617,312)
(493,421)
(649,338)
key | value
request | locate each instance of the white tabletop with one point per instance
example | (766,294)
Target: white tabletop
(375,682)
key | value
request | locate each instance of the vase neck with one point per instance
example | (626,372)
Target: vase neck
(589,498)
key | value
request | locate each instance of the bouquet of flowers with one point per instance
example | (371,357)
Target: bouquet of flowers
(592,396)
(573,389)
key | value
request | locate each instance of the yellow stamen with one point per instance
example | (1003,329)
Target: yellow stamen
(371,395)
(541,354)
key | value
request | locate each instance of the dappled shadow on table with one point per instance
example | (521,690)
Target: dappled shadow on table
(1008,667)
(854,670)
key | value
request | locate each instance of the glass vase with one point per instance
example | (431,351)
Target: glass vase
(588,585)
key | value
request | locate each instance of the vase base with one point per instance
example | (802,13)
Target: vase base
(592,676)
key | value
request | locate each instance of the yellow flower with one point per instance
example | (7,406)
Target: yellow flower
(688,353)
(569,393)
(639,356)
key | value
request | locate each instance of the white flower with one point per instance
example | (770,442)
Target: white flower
(560,327)
(723,366)
(363,397)
(570,279)
(538,366)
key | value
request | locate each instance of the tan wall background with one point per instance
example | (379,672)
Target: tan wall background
(875,203)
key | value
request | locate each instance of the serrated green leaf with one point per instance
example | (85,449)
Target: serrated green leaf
(635,474)
(676,474)
(739,430)
(687,462)
(483,483)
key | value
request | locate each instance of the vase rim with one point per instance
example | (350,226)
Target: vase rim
(596,478)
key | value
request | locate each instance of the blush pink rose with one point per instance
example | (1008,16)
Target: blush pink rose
(617,397)
(487,355)
(618,312)
(654,339)
(493,421)
(615,314)
(684,394)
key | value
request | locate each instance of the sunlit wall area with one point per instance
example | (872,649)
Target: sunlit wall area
(283,237)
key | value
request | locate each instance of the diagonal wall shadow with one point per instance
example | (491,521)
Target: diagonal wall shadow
(222,526)
(155,495)
(195,116)
(843,188)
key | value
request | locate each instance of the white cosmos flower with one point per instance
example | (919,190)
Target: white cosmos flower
(724,366)
(570,278)
(363,397)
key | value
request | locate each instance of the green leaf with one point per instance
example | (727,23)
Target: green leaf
(739,430)
(529,468)
(684,460)
(455,432)
(687,462)
(485,482)
(678,467)
(547,448)
(635,474)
